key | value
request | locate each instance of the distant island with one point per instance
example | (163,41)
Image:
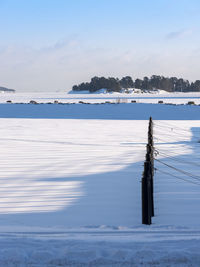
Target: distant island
(4,89)
(155,82)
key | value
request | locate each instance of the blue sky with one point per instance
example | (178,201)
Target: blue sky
(49,45)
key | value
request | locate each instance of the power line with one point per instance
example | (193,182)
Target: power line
(166,125)
(172,127)
(165,141)
(162,128)
(181,171)
(178,160)
(164,172)
(171,153)
(171,142)
(173,136)
(178,134)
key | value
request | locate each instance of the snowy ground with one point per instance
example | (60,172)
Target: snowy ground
(64,97)
(70,185)
(110,249)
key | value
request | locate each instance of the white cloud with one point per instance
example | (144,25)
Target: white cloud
(59,66)
(179,34)
(174,35)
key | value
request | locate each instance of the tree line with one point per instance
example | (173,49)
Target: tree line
(169,84)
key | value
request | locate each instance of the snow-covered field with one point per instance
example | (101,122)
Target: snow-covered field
(70,183)
(65,97)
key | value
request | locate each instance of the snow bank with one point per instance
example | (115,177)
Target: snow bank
(174,98)
(53,251)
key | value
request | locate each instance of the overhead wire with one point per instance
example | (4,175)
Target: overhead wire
(162,129)
(196,177)
(174,129)
(175,176)
(168,125)
(169,135)
(164,141)
(173,133)
(178,160)
(178,133)
(172,154)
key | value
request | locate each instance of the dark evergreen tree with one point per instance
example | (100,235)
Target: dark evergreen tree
(195,86)
(146,83)
(97,83)
(138,83)
(126,82)
(171,84)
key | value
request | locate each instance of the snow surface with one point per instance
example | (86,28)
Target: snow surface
(64,97)
(70,185)
(128,111)
(110,249)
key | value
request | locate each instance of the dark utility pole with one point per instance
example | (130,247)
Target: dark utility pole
(147,180)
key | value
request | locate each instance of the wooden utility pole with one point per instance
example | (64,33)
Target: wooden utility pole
(147,180)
